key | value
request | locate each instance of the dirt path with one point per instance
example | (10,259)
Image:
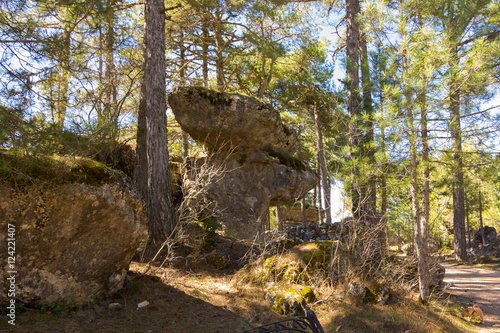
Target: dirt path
(471,285)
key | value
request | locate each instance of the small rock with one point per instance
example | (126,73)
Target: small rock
(115,306)
(142,304)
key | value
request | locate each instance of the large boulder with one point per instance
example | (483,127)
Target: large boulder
(230,121)
(250,157)
(69,242)
(490,236)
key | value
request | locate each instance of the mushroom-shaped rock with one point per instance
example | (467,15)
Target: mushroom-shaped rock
(225,121)
(251,148)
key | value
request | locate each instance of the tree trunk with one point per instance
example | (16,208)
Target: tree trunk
(481,218)
(303,210)
(110,96)
(383,189)
(279,218)
(371,184)
(152,131)
(219,48)
(266,77)
(412,133)
(322,164)
(467,219)
(460,245)
(182,79)
(424,251)
(353,101)
(204,66)
(62,99)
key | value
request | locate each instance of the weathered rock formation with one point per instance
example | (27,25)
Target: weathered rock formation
(71,242)
(250,149)
(490,236)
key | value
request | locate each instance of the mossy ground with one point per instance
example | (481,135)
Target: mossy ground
(20,170)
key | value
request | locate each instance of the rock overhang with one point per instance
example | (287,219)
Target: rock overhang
(255,149)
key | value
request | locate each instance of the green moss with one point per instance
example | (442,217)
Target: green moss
(288,298)
(279,304)
(216,261)
(319,258)
(215,97)
(270,263)
(91,173)
(20,170)
(288,160)
(308,294)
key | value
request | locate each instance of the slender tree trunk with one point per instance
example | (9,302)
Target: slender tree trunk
(353,102)
(460,245)
(383,185)
(424,251)
(322,164)
(279,218)
(266,76)
(268,219)
(152,131)
(219,48)
(481,218)
(412,133)
(467,219)
(371,186)
(320,204)
(204,29)
(62,102)
(315,196)
(303,210)
(110,95)
(182,79)
(101,83)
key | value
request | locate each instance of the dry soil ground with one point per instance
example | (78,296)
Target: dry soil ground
(472,285)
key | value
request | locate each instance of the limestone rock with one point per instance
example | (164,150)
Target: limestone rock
(230,121)
(490,236)
(73,242)
(289,299)
(244,192)
(250,155)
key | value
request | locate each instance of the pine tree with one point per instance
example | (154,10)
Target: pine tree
(152,172)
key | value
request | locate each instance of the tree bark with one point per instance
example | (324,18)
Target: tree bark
(110,117)
(481,218)
(279,218)
(467,219)
(322,164)
(219,47)
(182,79)
(371,184)
(424,251)
(460,245)
(62,97)
(417,228)
(303,210)
(204,66)
(353,101)
(152,145)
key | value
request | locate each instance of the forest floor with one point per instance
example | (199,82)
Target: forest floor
(477,284)
(200,298)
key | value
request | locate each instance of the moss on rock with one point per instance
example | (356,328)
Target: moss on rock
(20,170)
(289,299)
(215,97)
